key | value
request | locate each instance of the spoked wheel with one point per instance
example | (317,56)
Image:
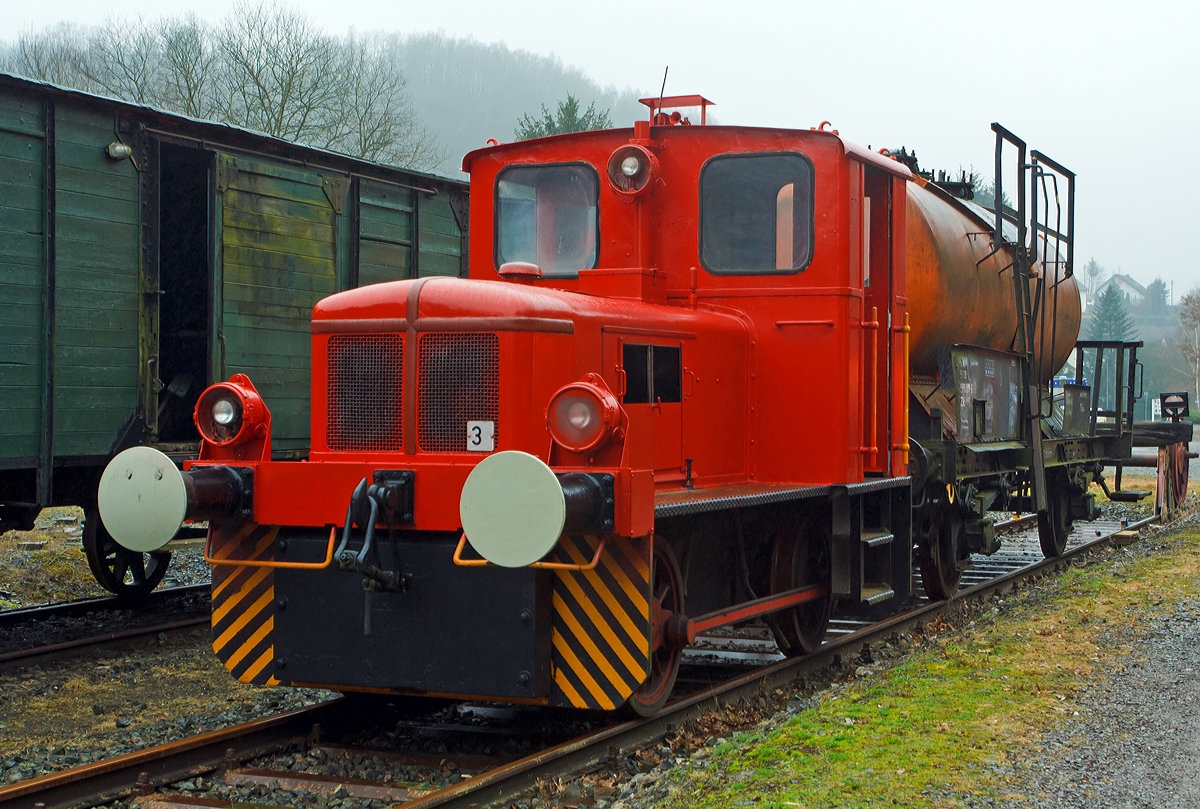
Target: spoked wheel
(1179,462)
(1054,524)
(667,600)
(128,574)
(938,555)
(800,558)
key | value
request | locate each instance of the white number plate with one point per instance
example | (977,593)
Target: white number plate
(481,436)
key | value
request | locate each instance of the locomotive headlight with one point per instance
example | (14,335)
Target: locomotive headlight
(630,170)
(220,414)
(224,411)
(581,416)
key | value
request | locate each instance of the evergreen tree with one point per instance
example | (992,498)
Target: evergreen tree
(567,119)
(1156,296)
(1188,339)
(1110,319)
(1093,275)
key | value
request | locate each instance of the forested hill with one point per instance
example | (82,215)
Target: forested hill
(465,91)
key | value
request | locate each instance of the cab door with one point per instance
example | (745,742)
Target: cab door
(646,370)
(879,332)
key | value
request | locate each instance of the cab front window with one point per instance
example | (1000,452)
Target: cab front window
(756,213)
(547,215)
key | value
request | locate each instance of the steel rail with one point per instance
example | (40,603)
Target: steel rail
(39,652)
(107,780)
(72,609)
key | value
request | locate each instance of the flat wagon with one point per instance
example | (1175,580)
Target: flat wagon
(146,255)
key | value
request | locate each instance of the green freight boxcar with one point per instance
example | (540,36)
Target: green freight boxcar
(145,255)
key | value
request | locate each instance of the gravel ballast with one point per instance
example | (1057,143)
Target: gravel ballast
(122,698)
(1136,742)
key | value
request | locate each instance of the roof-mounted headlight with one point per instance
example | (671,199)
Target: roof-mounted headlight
(631,169)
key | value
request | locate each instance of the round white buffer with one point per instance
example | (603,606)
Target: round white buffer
(512,509)
(142,499)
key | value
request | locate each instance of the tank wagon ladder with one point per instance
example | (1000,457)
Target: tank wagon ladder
(1027,306)
(1066,448)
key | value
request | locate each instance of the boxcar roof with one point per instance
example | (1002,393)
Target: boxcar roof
(228,136)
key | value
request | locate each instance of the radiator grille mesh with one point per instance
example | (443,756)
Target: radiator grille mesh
(458,381)
(365,396)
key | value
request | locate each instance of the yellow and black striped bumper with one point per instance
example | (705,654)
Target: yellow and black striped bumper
(600,630)
(243,605)
(599,621)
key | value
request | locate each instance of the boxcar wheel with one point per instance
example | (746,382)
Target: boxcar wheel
(800,557)
(1054,524)
(667,600)
(125,573)
(938,555)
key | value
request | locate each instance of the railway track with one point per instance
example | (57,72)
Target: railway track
(24,632)
(479,780)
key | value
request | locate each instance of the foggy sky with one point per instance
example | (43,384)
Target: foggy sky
(1108,89)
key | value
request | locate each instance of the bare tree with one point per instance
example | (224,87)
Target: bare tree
(122,59)
(373,116)
(266,67)
(1188,338)
(277,76)
(189,67)
(54,55)
(1093,276)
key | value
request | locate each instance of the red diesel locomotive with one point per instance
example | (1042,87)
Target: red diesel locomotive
(699,375)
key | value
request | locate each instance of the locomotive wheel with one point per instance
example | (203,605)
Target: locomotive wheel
(667,600)
(938,555)
(800,558)
(125,573)
(1054,524)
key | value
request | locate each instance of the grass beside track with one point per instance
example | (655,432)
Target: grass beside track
(55,571)
(945,723)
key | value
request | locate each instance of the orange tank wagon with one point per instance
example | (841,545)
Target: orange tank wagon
(698,376)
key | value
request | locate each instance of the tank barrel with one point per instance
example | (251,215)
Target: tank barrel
(960,290)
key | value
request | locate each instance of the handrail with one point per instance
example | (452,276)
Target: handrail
(873,325)
(571,566)
(904,445)
(212,560)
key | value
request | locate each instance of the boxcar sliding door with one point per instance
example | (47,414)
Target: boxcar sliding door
(386,216)
(405,232)
(279,254)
